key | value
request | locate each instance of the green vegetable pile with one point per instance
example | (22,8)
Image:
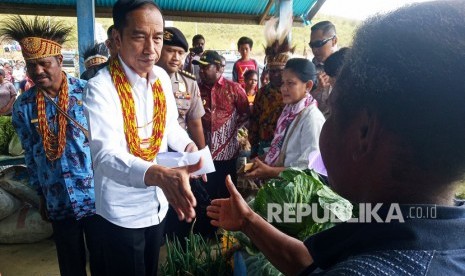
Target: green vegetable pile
(197,257)
(294,187)
(6,133)
(300,188)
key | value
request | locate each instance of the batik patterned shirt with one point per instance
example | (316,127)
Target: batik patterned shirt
(226,110)
(66,183)
(267,108)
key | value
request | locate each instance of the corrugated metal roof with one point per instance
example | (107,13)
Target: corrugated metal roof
(247,11)
(238,6)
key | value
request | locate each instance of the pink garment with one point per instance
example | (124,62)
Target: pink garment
(315,162)
(288,115)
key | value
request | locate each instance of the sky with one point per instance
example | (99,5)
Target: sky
(361,9)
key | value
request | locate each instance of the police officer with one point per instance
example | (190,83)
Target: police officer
(190,107)
(185,88)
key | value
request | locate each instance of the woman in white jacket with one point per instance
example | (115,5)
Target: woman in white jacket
(298,129)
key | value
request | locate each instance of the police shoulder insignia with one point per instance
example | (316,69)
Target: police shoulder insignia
(187,74)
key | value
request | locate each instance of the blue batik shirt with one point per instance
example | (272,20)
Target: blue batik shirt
(66,183)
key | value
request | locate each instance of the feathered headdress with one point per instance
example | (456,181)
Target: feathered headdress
(95,55)
(278,49)
(38,38)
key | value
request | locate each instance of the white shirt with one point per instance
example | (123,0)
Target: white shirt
(121,195)
(305,137)
(18,74)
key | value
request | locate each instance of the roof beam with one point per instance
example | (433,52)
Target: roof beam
(44,10)
(316,7)
(264,15)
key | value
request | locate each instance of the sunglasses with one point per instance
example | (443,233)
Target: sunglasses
(320,43)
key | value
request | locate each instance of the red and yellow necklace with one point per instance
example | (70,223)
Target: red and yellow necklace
(54,144)
(151,144)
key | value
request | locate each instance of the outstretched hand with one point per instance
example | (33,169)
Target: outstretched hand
(259,170)
(230,213)
(176,187)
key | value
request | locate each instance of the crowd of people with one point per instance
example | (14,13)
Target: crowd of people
(91,142)
(13,81)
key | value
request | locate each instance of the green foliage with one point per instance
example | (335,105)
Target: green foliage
(198,257)
(6,133)
(460,194)
(296,187)
(225,36)
(258,265)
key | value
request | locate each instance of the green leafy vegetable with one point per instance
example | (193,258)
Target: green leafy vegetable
(301,189)
(6,133)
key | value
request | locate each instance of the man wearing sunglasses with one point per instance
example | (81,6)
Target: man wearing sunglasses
(323,42)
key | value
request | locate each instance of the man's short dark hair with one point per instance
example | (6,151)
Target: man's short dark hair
(122,7)
(109,31)
(333,64)
(325,26)
(197,37)
(245,40)
(414,85)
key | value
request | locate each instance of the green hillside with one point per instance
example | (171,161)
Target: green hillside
(225,36)
(222,36)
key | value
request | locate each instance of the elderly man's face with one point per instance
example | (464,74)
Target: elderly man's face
(140,42)
(46,72)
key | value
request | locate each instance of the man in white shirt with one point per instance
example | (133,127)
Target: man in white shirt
(132,116)
(18,75)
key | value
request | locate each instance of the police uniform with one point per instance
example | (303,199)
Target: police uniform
(187,96)
(190,107)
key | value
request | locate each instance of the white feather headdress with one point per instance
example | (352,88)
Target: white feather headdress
(277,39)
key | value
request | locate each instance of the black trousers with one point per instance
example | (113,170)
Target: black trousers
(69,236)
(216,185)
(131,252)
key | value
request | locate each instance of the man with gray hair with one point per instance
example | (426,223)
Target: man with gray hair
(132,118)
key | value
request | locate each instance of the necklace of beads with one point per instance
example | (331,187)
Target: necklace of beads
(148,148)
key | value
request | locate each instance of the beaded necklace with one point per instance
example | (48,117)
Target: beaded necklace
(151,145)
(54,145)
